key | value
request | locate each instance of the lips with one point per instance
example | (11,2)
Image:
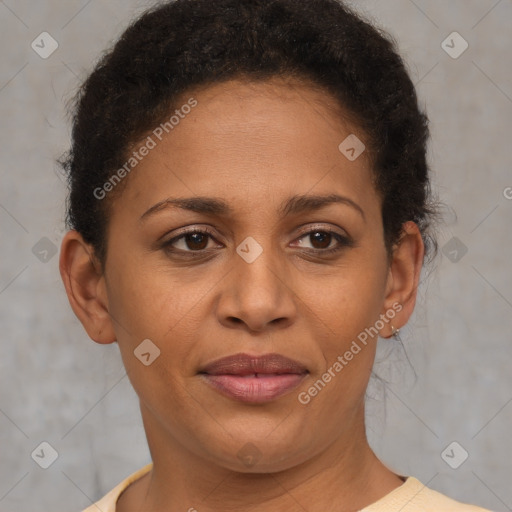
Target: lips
(254,379)
(245,364)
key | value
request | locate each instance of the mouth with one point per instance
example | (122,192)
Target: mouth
(254,379)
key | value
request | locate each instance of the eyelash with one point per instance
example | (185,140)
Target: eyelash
(343,241)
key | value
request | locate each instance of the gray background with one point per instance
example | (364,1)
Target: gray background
(60,387)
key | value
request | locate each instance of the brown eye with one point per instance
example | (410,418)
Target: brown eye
(192,241)
(322,238)
(321,241)
(196,241)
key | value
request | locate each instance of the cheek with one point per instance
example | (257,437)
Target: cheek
(348,307)
(350,300)
(149,302)
(152,300)
(145,305)
(144,298)
(346,344)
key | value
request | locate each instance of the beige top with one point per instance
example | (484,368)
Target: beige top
(411,496)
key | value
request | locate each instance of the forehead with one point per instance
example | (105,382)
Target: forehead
(257,138)
(287,107)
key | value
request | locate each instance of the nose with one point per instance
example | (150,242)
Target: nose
(258,292)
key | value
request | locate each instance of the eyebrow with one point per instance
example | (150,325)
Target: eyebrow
(215,206)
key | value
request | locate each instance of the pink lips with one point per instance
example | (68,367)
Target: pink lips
(254,379)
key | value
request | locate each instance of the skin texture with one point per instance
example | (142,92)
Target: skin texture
(253,145)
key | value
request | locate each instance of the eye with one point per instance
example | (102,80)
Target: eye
(322,240)
(193,240)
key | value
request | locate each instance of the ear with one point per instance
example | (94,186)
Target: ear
(85,287)
(403,277)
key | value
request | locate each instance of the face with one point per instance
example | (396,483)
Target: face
(258,267)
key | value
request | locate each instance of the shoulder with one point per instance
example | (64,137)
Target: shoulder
(108,502)
(413,496)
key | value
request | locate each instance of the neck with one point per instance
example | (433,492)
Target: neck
(345,476)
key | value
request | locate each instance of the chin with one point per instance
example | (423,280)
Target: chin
(260,451)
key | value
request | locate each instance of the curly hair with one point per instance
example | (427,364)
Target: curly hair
(180,44)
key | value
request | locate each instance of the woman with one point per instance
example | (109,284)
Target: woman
(250,209)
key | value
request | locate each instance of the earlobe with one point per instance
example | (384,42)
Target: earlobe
(85,287)
(403,279)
